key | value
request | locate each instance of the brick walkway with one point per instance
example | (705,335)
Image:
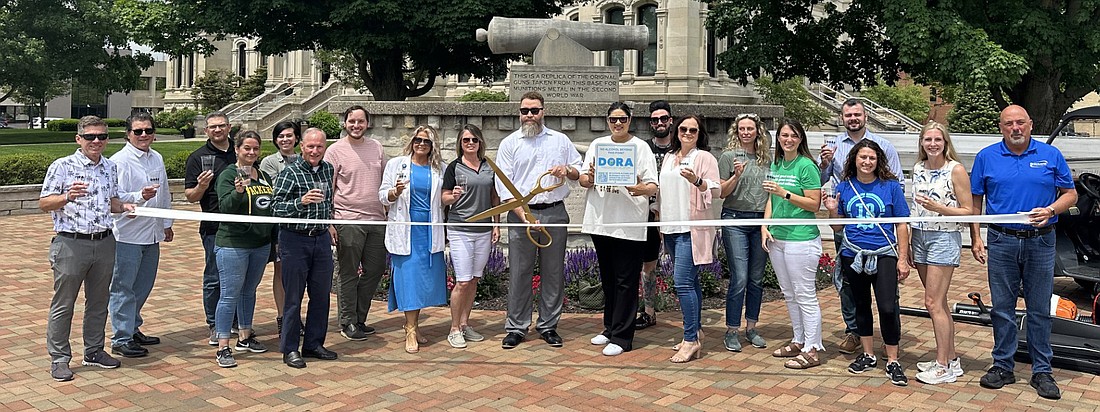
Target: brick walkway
(377,374)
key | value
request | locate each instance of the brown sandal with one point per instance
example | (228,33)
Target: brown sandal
(802,361)
(789,351)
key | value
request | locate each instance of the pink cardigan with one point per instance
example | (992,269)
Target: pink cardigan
(702,237)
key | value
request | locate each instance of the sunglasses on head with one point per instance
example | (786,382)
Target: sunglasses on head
(752,116)
(530,111)
(470,140)
(689,130)
(421,140)
(149,131)
(95,136)
(662,119)
(619,119)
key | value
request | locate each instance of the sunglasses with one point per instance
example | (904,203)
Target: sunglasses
(752,116)
(138,132)
(530,111)
(618,119)
(662,119)
(689,130)
(92,136)
(470,140)
(421,140)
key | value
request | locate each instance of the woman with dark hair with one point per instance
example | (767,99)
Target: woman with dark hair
(743,169)
(619,249)
(795,250)
(873,256)
(242,249)
(469,187)
(412,187)
(689,185)
(286,136)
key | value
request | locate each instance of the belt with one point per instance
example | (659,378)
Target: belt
(86,236)
(541,206)
(1022,234)
(308,232)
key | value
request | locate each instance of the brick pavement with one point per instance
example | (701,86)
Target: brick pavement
(376,374)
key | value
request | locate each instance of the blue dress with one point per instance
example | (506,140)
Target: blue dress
(419,278)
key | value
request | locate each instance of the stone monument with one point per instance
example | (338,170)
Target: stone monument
(563,69)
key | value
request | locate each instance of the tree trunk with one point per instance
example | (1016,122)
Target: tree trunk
(386,80)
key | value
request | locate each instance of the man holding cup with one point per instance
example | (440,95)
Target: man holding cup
(831,163)
(302,191)
(202,166)
(80,192)
(141,179)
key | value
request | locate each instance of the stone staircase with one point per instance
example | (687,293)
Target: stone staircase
(282,103)
(879,117)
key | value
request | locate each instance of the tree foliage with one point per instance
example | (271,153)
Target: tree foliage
(1041,55)
(796,101)
(216,88)
(47,45)
(399,48)
(975,111)
(911,100)
(252,86)
(325,120)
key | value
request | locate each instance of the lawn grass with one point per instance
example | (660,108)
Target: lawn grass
(35,136)
(56,150)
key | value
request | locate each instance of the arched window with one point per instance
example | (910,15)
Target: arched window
(647,59)
(614,57)
(242,61)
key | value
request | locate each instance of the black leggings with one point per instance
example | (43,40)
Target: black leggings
(885,284)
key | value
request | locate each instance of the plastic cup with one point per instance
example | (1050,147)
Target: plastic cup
(207,163)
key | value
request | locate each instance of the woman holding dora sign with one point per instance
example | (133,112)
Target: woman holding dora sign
(618,249)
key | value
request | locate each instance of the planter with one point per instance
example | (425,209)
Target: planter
(188,133)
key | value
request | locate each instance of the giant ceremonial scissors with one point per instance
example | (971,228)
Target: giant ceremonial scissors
(519,201)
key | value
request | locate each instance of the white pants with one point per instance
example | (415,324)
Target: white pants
(469,253)
(795,266)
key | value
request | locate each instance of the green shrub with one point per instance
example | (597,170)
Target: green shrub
(62,125)
(484,95)
(326,121)
(176,165)
(23,169)
(112,122)
(176,119)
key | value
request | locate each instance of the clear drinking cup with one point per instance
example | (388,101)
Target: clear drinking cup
(460,184)
(245,174)
(207,163)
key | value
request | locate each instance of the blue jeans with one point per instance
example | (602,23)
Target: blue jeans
(210,289)
(1011,261)
(132,281)
(241,270)
(746,259)
(685,278)
(847,302)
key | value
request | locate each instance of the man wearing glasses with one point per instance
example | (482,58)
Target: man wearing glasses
(523,156)
(142,180)
(80,192)
(198,188)
(358,161)
(854,117)
(660,124)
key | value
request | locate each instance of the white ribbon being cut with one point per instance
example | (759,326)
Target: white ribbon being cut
(1018,218)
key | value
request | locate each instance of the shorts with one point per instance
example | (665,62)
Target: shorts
(652,241)
(469,253)
(936,248)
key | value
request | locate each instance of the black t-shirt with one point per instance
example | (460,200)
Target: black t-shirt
(193,168)
(658,154)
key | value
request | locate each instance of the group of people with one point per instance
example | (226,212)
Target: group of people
(677,180)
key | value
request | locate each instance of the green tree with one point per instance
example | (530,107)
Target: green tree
(46,45)
(252,86)
(911,100)
(1041,55)
(975,111)
(796,101)
(399,48)
(325,120)
(216,88)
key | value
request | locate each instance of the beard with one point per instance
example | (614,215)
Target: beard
(531,128)
(661,133)
(854,126)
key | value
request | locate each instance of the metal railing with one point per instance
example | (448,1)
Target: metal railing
(886,116)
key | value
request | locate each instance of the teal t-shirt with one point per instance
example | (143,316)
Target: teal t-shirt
(796,176)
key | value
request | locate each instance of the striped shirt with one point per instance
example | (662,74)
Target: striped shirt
(87,214)
(845,144)
(292,183)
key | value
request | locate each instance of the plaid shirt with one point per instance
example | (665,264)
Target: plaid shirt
(292,183)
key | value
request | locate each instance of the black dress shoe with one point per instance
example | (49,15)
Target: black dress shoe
(130,349)
(294,360)
(319,353)
(511,340)
(644,321)
(144,340)
(551,337)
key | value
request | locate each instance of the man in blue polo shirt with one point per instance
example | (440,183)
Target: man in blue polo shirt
(1020,175)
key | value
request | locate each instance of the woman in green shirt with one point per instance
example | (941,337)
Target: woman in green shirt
(241,248)
(795,250)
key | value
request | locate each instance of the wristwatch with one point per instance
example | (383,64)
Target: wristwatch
(787,196)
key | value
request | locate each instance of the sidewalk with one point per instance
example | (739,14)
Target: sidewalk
(377,374)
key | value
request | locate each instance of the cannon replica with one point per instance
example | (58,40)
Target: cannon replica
(563,66)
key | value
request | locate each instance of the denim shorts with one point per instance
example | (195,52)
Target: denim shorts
(936,248)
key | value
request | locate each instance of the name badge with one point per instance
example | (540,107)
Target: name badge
(1038,165)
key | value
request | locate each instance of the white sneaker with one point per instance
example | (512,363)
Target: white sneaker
(936,374)
(955,366)
(612,349)
(456,340)
(602,340)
